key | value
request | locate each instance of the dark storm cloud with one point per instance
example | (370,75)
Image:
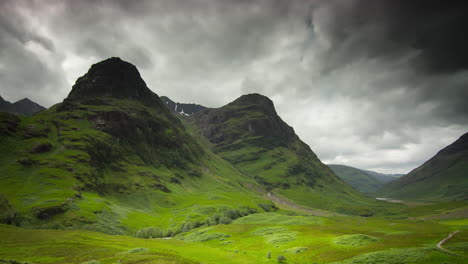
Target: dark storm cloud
(377,84)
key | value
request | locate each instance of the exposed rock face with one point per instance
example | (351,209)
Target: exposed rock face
(181,108)
(248,116)
(113,78)
(22,107)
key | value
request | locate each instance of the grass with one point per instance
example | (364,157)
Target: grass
(355,240)
(360,240)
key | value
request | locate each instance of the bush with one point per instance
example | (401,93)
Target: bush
(268,255)
(281,259)
(149,232)
(225,220)
(268,207)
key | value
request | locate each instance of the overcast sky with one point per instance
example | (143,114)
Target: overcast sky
(374,84)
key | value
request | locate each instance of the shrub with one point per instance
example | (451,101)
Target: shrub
(268,207)
(281,259)
(149,232)
(268,255)
(225,220)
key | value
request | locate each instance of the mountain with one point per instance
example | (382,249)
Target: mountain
(22,107)
(365,181)
(359,179)
(181,108)
(112,158)
(382,177)
(250,135)
(442,178)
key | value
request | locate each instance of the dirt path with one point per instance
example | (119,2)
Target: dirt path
(439,245)
(281,201)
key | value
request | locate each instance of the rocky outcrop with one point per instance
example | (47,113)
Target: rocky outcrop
(113,78)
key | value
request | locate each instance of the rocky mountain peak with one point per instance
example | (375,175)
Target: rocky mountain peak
(257,101)
(115,78)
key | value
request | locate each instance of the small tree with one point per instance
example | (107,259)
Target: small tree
(281,259)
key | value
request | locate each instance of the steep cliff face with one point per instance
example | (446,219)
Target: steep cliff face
(113,78)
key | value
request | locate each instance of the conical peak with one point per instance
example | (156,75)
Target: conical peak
(255,101)
(112,77)
(253,98)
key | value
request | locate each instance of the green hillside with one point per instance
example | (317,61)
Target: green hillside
(249,134)
(112,158)
(442,178)
(357,178)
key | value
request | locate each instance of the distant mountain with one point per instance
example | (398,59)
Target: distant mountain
(360,179)
(181,108)
(442,178)
(384,178)
(22,107)
(249,133)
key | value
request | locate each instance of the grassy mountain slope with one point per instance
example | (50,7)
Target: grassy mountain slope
(249,134)
(442,178)
(112,158)
(357,178)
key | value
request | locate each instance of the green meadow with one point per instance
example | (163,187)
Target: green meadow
(256,238)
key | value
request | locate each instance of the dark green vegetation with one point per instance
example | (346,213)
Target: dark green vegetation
(360,179)
(442,178)
(22,107)
(110,175)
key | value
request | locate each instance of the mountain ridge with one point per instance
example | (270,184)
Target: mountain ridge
(23,107)
(184,109)
(365,181)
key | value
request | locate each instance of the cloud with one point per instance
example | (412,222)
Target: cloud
(373,84)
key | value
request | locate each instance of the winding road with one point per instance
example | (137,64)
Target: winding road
(439,245)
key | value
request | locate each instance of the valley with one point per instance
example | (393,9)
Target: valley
(117,174)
